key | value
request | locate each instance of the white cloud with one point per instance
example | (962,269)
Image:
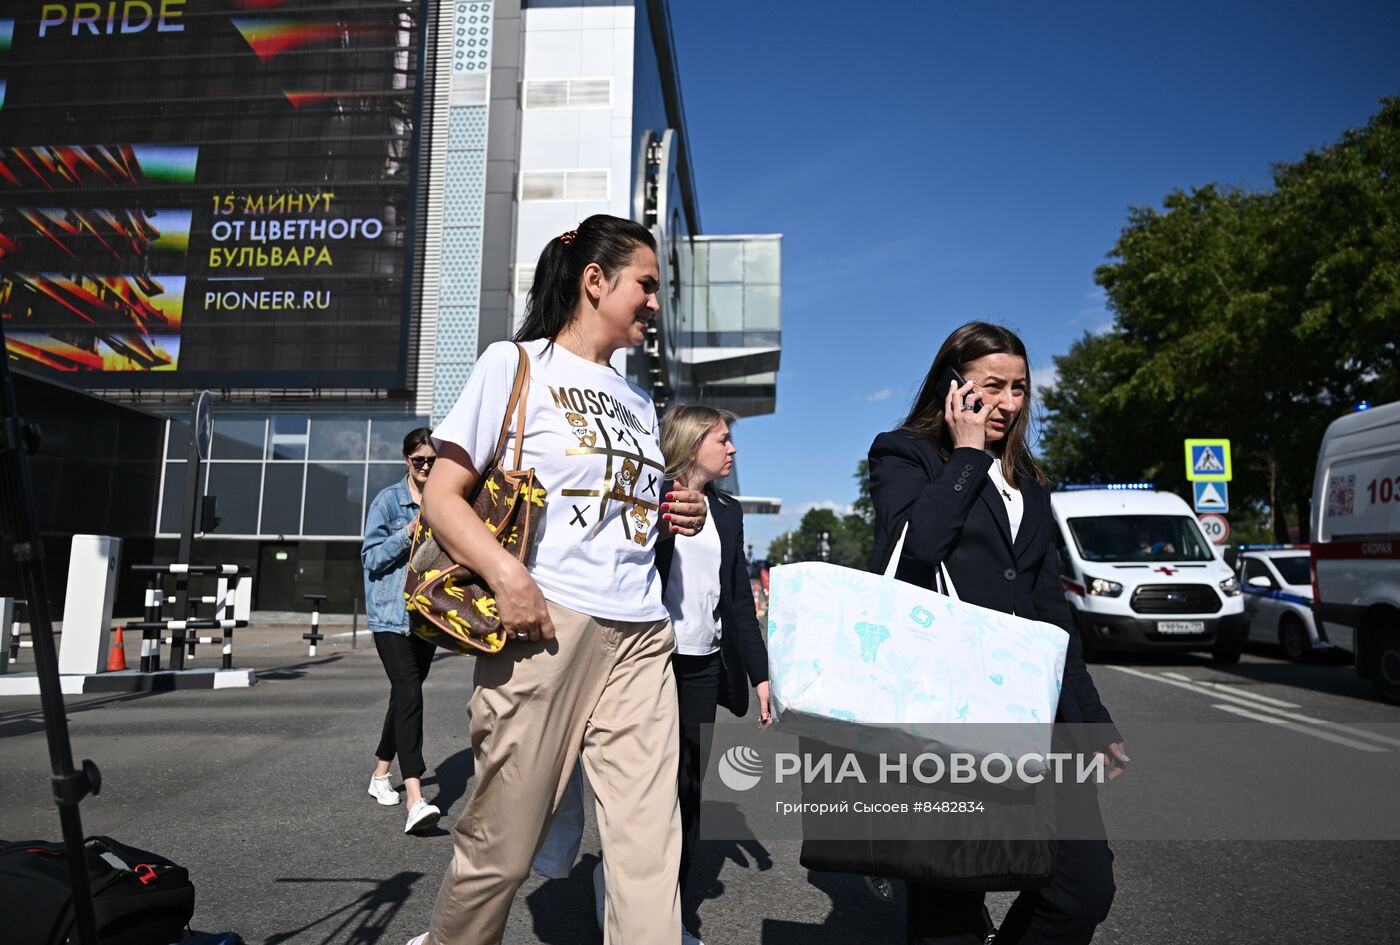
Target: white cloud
(884,393)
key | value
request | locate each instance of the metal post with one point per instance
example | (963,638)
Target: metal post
(21,542)
(355,624)
(14,634)
(8,626)
(229,588)
(315,635)
(150,639)
(201,430)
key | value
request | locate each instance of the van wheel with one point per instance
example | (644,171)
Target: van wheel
(1226,654)
(1386,677)
(1293,637)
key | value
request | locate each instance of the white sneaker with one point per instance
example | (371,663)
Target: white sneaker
(418,939)
(689,938)
(421,816)
(383,791)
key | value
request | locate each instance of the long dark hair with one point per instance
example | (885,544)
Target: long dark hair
(965,345)
(606,240)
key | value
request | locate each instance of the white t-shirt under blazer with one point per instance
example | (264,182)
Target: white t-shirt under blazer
(592,438)
(1015,502)
(692,593)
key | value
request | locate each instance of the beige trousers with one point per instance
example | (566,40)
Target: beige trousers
(603,689)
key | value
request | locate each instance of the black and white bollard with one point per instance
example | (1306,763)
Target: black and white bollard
(9,612)
(150,636)
(228,593)
(315,636)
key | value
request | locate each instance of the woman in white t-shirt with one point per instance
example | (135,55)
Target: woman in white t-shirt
(588,667)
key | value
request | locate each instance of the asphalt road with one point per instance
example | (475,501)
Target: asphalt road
(1259,807)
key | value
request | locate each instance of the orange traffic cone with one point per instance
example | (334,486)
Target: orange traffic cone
(116,659)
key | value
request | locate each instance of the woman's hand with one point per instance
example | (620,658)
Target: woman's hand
(765,714)
(967,427)
(1116,757)
(524,614)
(685,511)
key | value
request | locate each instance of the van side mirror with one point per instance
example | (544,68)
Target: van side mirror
(1260,580)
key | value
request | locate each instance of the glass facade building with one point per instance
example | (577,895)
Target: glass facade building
(492,126)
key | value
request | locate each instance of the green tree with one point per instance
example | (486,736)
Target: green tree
(1257,317)
(852,541)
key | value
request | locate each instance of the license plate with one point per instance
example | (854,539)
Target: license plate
(1181,626)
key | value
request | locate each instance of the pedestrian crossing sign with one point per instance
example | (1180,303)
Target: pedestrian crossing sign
(1212,496)
(1208,460)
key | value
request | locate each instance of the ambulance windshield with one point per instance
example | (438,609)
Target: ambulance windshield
(1129,538)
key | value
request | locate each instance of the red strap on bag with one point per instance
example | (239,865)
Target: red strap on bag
(146,873)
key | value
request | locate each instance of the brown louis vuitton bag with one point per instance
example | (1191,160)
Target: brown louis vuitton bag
(447,604)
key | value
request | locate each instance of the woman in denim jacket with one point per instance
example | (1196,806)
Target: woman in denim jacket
(406,658)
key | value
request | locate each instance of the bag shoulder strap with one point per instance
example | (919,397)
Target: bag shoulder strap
(944,580)
(519,396)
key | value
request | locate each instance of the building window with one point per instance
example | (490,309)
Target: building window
(284,476)
(568,93)
(564,185)
(524,280)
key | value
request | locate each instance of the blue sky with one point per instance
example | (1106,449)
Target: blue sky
(931,162)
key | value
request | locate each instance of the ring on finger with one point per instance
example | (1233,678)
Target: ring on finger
(520,634)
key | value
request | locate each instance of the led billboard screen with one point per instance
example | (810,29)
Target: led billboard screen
(208,192)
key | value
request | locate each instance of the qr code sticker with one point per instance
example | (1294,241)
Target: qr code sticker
(1341,496)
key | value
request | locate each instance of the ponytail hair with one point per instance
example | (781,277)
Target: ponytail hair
(606,240)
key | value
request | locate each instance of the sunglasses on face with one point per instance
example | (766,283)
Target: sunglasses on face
(421,462)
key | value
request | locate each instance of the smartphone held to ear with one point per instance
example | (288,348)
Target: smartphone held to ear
(951,376)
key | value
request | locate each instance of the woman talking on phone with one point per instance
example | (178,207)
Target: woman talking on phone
(959,474)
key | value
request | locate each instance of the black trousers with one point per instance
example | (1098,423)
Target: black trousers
(697,690)
(1065,912)
(406,659)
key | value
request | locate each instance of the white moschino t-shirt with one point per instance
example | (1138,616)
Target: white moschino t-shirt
(592,438)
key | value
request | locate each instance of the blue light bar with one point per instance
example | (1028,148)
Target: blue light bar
(1364,405)
(1271,547)
(1110,486)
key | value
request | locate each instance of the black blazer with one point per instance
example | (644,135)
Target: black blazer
(956,516)
(742,650)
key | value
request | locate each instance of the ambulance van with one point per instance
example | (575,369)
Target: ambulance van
(1356,542)
(1140,576)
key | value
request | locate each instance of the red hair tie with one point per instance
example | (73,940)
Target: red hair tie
(568,238)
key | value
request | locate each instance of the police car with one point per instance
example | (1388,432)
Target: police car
(1139,574)
(1277,585)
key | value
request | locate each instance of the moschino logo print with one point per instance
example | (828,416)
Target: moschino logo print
(632,480)
(597,404)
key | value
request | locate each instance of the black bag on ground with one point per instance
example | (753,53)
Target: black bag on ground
(141,898)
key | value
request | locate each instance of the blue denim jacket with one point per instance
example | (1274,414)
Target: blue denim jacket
(384,555)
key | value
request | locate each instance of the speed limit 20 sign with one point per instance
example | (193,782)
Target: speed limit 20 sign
(1216,528)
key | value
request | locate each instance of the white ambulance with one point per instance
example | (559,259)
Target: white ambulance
(1139,575)
(1356,542)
